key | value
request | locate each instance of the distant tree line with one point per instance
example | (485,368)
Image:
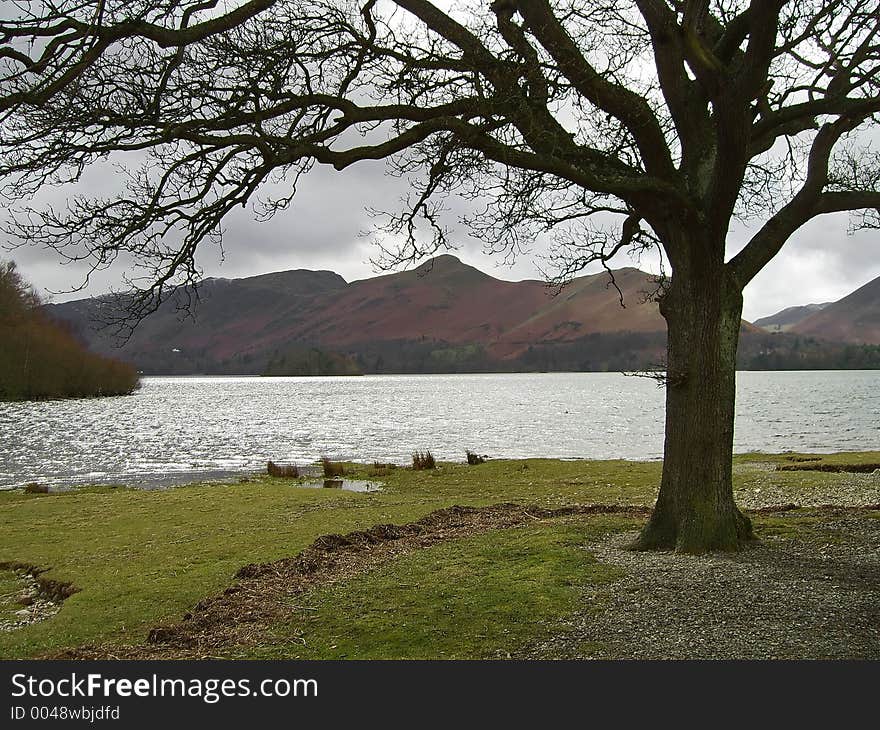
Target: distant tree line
(311,361)
(786,351)
(39,358)
(424,356)
(598,352)
(595,352)
(606,352)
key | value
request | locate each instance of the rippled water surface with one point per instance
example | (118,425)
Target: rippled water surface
(177,429)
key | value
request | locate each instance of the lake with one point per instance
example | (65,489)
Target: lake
(177,429)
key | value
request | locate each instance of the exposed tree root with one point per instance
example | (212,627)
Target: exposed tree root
(710,531)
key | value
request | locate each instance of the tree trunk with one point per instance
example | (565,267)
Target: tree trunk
(695,511)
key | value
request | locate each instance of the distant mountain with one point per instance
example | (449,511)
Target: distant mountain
(837,335)
(446,316)
(443,316)
(787,318)
(855,319)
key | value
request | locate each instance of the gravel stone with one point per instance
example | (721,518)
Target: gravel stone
(812,596)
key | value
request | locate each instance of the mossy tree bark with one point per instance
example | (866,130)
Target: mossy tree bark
(695,510)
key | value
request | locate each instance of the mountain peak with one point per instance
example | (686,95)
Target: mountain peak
(444,262)
(448,259)
(305,279)
(447,265)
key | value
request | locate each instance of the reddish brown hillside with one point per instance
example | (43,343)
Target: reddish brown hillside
(239,324)
(452,302)
(854,319)
(442,300)
(588,305)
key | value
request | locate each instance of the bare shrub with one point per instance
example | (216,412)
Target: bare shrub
(423,460)
(331,468)
(290,471)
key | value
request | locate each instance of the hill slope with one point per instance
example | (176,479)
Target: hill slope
(442,316)
(783,321)
(854,319)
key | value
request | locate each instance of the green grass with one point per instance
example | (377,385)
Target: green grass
(479,597)
(140,558)
(786,525)
(758,470)
(794,457)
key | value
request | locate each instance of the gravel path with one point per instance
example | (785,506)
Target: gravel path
(812,595)
(764,486)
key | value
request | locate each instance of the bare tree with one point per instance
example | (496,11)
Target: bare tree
(674,116)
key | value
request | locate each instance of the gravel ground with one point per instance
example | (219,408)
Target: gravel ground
(32,606)
(766,486)
(814,595)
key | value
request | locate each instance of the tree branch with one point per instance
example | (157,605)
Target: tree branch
(768,241)
(623,104)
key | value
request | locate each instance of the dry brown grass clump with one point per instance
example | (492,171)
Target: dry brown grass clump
(422,460)
(473,458)
(380,470)
(331,468)
(290,471)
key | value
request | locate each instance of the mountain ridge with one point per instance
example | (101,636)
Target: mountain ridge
(785,319)
(447,316)
(443,304)
(854,319)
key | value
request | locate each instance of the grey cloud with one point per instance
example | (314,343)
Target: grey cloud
(821,262)
(321,230)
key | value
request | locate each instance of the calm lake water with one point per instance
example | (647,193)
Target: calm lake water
(178,429)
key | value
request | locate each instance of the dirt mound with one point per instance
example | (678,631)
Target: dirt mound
(833,468)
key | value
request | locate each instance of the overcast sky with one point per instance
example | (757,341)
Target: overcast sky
(323,230)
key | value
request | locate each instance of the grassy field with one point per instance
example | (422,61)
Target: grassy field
(142,558)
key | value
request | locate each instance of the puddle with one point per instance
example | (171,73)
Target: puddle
(349,485)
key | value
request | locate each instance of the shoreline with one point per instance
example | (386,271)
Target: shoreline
(139,559)
(151,481)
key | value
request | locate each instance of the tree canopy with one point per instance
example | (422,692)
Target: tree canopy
(669,117)
(661,112)
(41,359)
